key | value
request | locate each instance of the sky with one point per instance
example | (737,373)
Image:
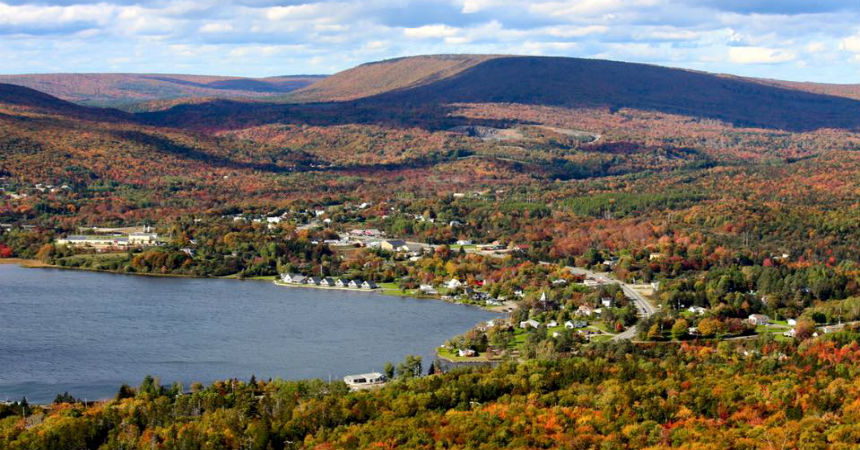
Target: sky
(802,40)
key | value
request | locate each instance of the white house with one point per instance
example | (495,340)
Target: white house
(364,381)
(427,289)
(327,282)
(453,283)
(531,323)
(606,301)
(584,310)
(791,322)
(394,245)
(341,282)
(758,319)
(142,238)
(293,278)
(464,242)
(355,284)
(570,324)
(368,285)
(466,352)
(697,310)
(551,324)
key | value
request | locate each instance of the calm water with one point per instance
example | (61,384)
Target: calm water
(87,333)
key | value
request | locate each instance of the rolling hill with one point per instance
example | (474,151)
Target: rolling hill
(421,88)
(574,82)
(122,90)
(385,76)
(24,99)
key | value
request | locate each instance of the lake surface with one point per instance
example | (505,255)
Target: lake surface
(88,333)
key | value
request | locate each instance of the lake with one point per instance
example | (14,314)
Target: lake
(87,333)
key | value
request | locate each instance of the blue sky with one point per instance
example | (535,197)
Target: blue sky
(807,40)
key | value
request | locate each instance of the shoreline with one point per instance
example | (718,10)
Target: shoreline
(25,262)
(36,264)
(382,291)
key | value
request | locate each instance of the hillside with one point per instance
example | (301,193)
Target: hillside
(837,90)
(120,90)
(573,82)
(26,100)
(385,76)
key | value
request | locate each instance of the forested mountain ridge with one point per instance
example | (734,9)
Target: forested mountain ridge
(388,75)
(400,90)
(574,82)
(125,90)
(34,101)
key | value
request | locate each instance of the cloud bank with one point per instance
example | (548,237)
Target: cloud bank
(788,39)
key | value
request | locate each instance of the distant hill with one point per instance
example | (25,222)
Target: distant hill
(417,91)
(575,82)
(837,90)
(120,90)
(30,100)
(385,76)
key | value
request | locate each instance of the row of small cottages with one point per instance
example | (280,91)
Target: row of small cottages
(293,278)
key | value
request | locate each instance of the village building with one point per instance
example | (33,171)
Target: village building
(571,324)
(531,323)
(394,245)
(293,278)
(453,283)
(466,352)
(427,289)
(142,238)
(758,319)
(697,310)
(584,310)
(102,242)
(364,381)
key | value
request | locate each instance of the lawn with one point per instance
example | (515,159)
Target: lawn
(393,289)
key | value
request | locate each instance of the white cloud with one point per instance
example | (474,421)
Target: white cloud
(759,55)
(306,10)
(851,44)
(216,27)
(572,31)
(431,31)
(58,35)
(47,15)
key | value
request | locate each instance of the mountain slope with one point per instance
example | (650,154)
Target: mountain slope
(836,90)
(388,75)
(20,98)
(107,89)
(573,82)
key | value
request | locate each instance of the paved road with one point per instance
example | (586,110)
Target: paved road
(643,306)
